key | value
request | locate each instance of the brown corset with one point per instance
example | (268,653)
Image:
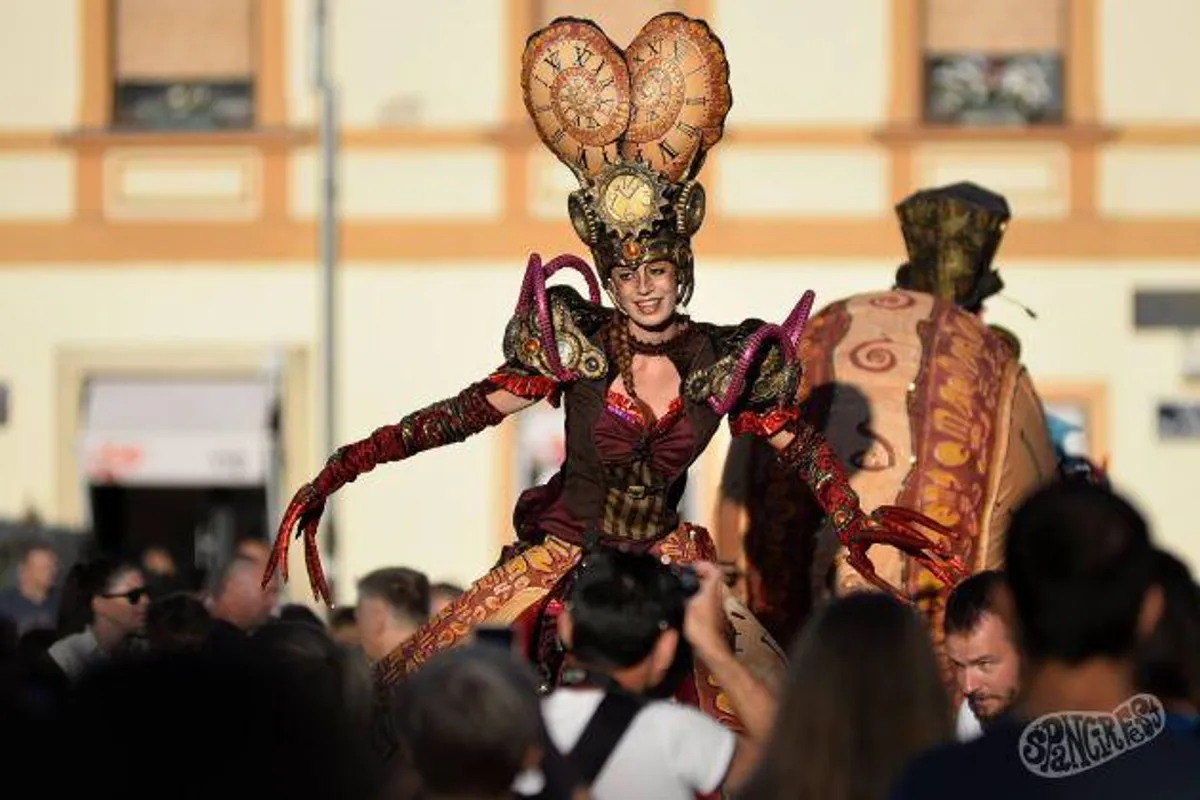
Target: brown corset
(636,505)
(623,479)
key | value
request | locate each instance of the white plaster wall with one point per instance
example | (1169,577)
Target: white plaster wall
(806,62)
(36,186)
(1148,61)
(1035,179)
(299,58)
(1149,182)
(39,64)
(403,62)
(822,182)
(451,183)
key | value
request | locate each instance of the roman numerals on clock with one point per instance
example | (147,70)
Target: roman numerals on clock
(691,131)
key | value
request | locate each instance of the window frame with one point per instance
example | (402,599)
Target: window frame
(1081,75)
(924,70)
(247,88)
(98,66)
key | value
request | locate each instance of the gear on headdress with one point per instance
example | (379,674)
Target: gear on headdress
(952,234)
(634,127)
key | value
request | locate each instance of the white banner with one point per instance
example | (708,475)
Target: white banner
(152,458)
(197,432)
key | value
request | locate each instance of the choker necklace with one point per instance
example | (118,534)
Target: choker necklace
(664,347)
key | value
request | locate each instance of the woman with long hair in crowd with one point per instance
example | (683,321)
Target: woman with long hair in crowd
(863,696)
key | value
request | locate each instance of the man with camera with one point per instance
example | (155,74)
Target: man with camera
(631,628)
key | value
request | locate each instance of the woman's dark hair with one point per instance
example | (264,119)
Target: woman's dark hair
(274,741)
(294,612)
(177,623)
(83,583)
(319,683)
(863,696)
(9,638)
(1079,560)
(467,720)
(1168,663)
(304,658)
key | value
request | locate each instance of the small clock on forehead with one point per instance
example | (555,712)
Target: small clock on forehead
(631,198)
(628,198)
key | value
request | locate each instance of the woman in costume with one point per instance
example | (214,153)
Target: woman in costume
(644,387)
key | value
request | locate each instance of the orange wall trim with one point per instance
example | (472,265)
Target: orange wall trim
(413,245)
(95,63)
(271,67)
(1082,62)
(904,105)
(520,135)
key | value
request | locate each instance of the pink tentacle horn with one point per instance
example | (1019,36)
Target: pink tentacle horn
(533,294)
(786,335)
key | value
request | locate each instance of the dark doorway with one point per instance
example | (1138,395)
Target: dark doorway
(198,526)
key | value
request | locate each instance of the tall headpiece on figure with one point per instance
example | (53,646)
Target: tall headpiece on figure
(634,127)
(952,234)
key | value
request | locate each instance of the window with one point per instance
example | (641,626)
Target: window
(183,64)
(620,20)
(998,62)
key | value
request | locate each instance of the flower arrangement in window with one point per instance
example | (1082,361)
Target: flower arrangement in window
(974,89)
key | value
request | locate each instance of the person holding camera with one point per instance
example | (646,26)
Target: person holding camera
(631,628)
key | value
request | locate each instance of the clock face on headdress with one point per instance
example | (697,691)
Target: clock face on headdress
(679,94)
(632,125)
(577,90)
(630,198)
(661,102)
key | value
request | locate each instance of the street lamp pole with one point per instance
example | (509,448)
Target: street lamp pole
(328,245)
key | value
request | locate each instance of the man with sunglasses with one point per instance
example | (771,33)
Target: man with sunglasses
(116,612)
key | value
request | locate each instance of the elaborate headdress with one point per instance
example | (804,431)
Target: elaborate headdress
(952,234)
(634,127)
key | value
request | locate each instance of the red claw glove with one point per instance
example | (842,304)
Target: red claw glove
(898,527)
(304,514)
(444,422)
(821,470)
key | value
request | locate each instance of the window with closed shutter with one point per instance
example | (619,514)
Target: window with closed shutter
(994,62)
(184,64)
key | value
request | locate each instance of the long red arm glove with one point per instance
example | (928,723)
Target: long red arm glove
(821,470)
(445,422)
